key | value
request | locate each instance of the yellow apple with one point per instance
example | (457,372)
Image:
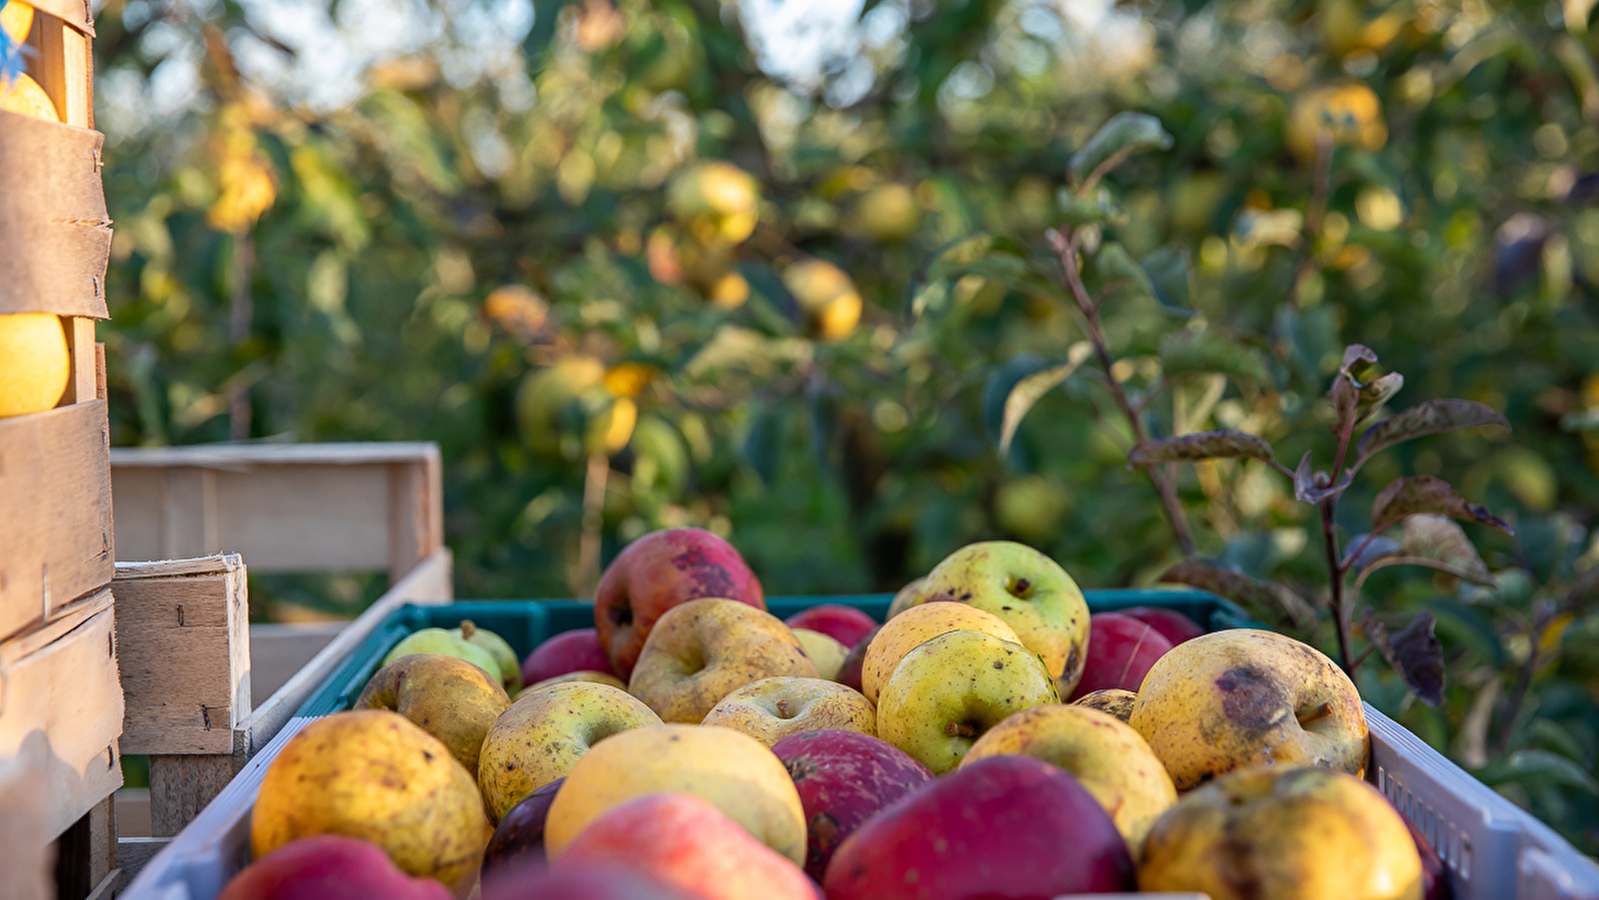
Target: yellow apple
(824,650)
(774,708)
(915,626)
(1114,701)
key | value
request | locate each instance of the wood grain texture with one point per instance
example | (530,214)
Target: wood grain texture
(289,508)
(61,709)
(61,65)
(181,786)
(82,386)
(55,511)
(183,636)
(429,583)
(54,222)
(134,853)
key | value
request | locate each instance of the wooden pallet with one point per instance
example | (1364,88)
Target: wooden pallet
(60,699)
(184,622)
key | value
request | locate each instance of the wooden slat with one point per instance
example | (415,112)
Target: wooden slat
(82,386)
(53,222)
(86,854)
(61,706)
(183,630)
(61,66)
(24,856)
(133,853)
(76,13)
(286,508)
(428,583)
(181,786)
(55,511)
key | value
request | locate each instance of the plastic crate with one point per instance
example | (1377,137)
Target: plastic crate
(1492,849)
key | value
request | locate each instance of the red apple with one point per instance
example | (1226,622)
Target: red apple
(1172,625)
(577,882)
(1001,828)
(849,674)
(1434,877)
(657,572)
(570,651)
(844,778)
(329,867)
(1120,651)
(686,842)
(844,624)
(519,838)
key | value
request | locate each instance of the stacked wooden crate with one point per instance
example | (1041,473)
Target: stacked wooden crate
(61,704)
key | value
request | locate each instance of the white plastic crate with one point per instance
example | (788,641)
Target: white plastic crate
(1493,850)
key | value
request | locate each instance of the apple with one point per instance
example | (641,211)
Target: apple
(827,297)
(844,624)
(950,690)
(586,882)
(447,641)
(844,778)
(541,736)
(1434,877)
(1028,590)
(658,571)
(826,653)
(1296,834)
(509,670)
(328,867)
(1172,625)
(450,698)
(911,628)
(906,597)
(703,650)
(849,671)
(733,771)
(605,678)
(1105,755)
(1121,650)
(682,840)
(1246,696)
(519,838)
(1006,826)
(1114,701)
(578,650)
(774,708)
(377,777)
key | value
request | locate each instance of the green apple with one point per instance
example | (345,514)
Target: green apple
(509,668)
(447,641)
(947,692)
(1028,590)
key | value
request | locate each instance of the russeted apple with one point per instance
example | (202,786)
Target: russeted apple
(950,690)
(844,778)
(1006,826)
(731,770)
(1027,589)
(1104,754)
(1114,701)
(703,650)
(1247,696)
(1121,651)
(380,778)
(681,840)
(1290,834)
(541,736)
(448,697)
(657,572)
(844,624)
(329,867)
(774,708)
(519,838)
(578,650)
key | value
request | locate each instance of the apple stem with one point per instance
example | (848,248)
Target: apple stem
(468,629)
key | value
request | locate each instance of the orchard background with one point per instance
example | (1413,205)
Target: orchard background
(380,219)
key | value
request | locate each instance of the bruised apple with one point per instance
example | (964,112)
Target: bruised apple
(657,572)
(1114,701)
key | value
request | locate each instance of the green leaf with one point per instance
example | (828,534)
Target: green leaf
(1099,208)
(1171,274)
(1220,444)
(1265,599)
(1538,767)
(1430,417)
(1112,263)
(1428,494)
(763,445)
(1018,384)
(1187,353)
(1124,134)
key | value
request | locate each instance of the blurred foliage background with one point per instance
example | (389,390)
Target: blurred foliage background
(753,267)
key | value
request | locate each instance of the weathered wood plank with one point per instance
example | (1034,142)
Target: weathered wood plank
(86,854)
(54,221)
(61,709)
(81,386)
(183,630)
(181,786)
(55,511)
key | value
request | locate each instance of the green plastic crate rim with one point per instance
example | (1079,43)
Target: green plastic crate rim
(527,623)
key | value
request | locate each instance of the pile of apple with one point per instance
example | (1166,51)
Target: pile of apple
(990,740)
